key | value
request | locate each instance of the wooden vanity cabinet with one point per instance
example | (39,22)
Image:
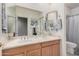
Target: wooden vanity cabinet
(47,51)
(56,50)
(51,48)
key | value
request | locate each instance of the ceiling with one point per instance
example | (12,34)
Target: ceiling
(72,5)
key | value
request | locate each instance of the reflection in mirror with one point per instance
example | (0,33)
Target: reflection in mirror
(22,26)
(53,24)
(4,18)
(50,22)
(22,21)
(11,19)
(11,24)
(36,26)
(26,18)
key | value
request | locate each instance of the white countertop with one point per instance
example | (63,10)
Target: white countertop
(19,42)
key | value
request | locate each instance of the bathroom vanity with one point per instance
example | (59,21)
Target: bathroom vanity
(46,47)
(41,32)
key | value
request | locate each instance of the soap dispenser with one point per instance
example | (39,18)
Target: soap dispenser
(34,31)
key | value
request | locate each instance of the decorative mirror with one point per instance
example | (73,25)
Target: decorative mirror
(16,22)
(53,24)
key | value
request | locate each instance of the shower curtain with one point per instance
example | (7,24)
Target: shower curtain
(73,29)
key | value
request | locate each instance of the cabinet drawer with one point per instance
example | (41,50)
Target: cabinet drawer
(33,47)
(13,51)
(50,43)
(36,52)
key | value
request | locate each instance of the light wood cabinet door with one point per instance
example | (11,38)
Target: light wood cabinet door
(36,52)
(47,51)
(56,50)
(52,50)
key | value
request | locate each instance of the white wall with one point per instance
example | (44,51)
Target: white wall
(75,11)
(29,5)
(67,11)
(25,12)
(35,6)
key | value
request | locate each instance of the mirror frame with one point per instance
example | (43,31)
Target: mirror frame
(46,22)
